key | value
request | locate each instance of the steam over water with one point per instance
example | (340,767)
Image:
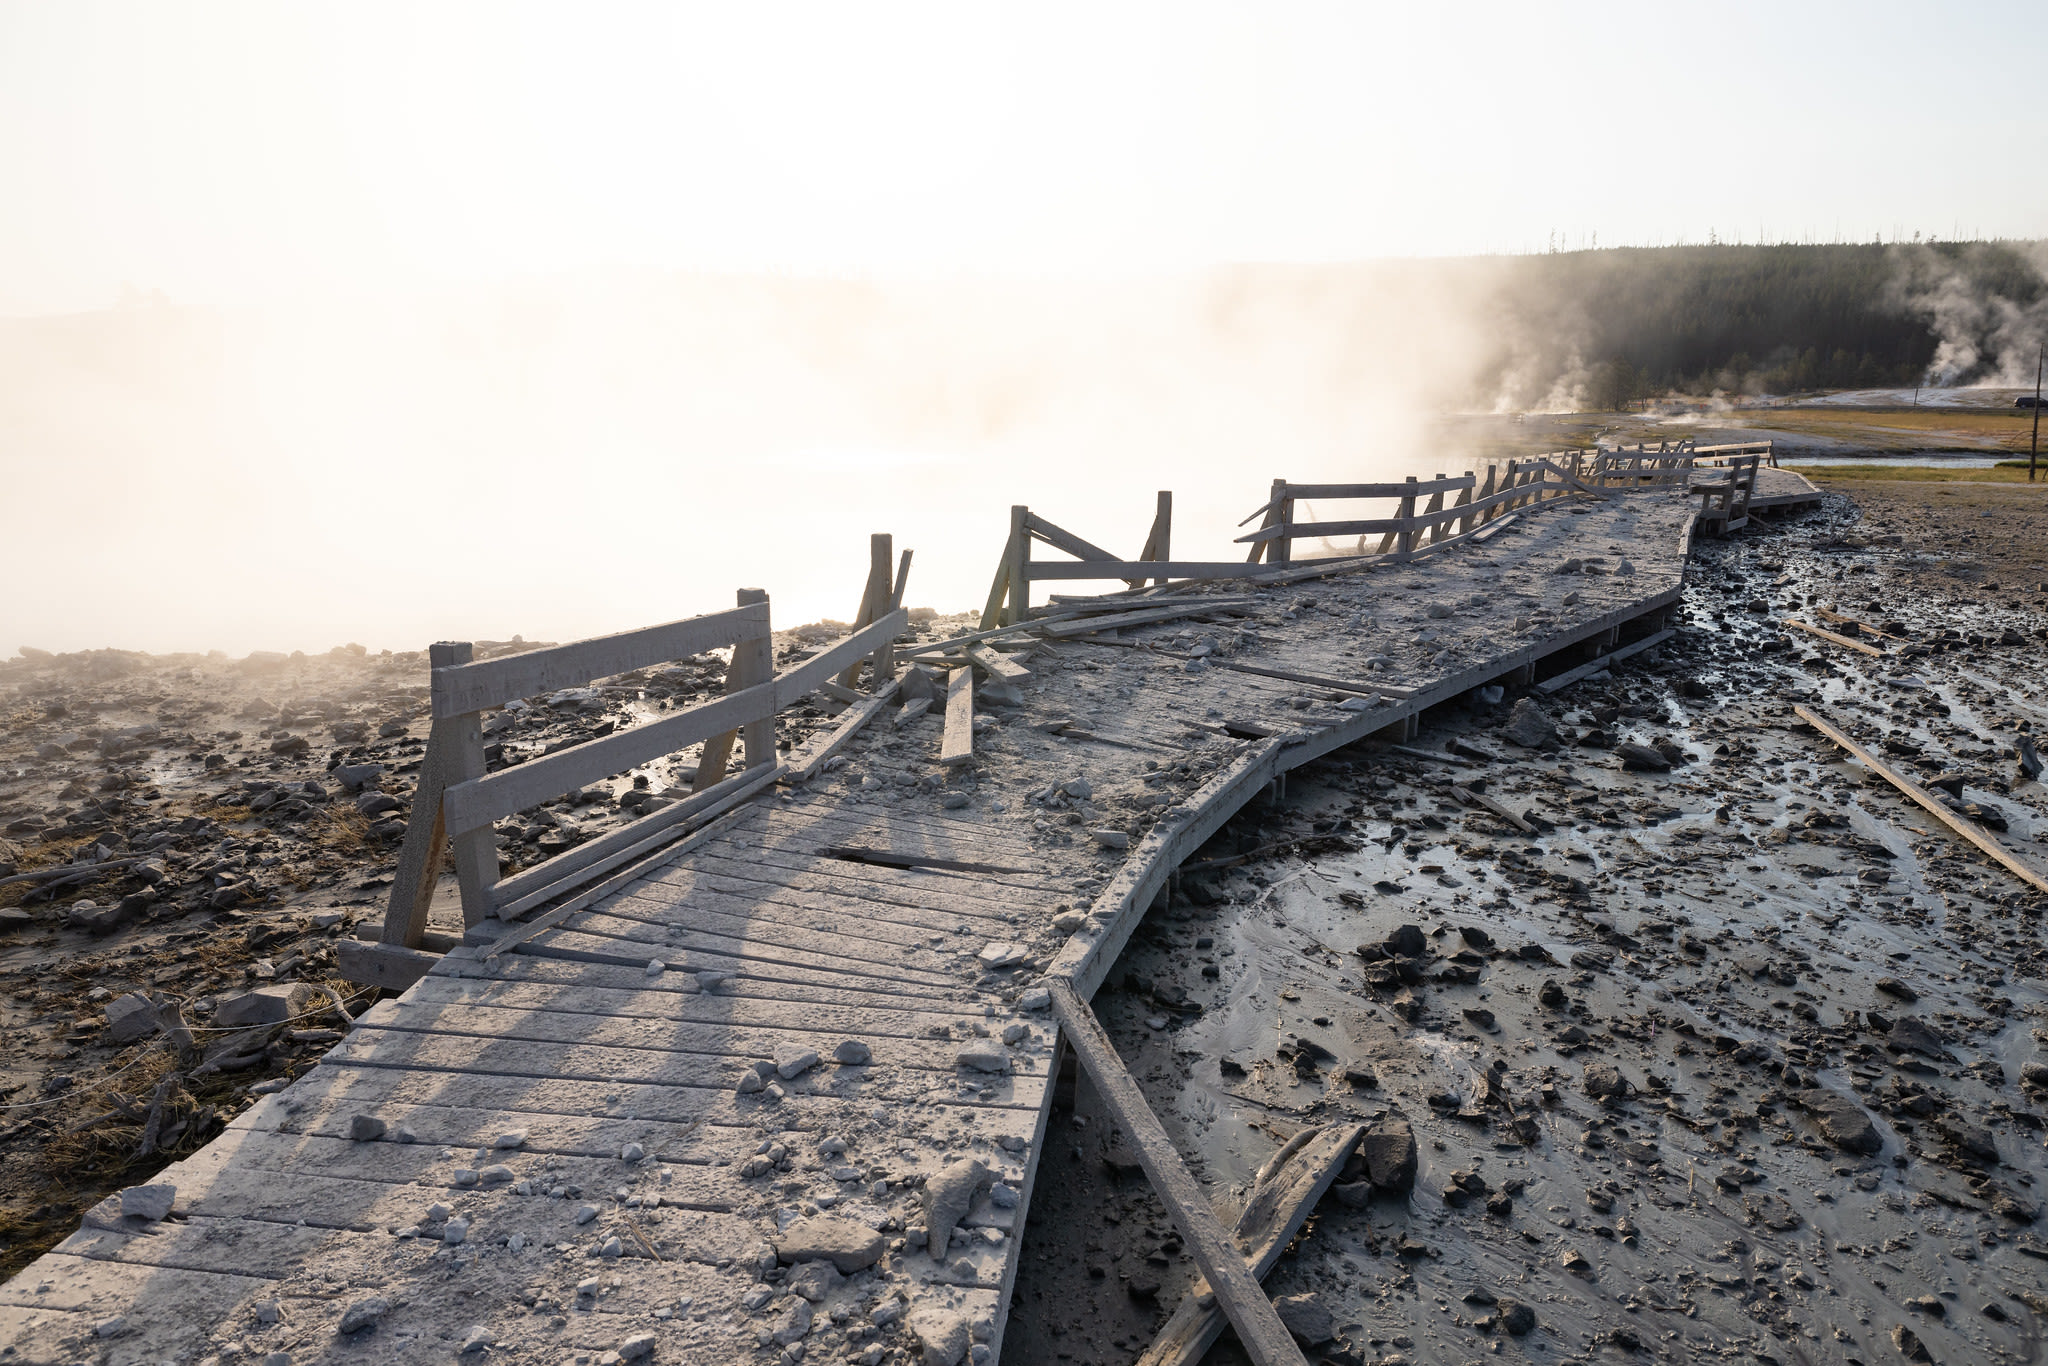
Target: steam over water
(578,455)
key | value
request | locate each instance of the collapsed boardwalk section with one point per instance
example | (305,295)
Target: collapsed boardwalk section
(732,1109)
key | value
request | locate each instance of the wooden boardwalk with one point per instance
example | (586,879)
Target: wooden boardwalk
(806,1025)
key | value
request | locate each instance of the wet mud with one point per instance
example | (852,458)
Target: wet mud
(1735,1054)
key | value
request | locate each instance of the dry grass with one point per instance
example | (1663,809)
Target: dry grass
(2003,473)
(1889,429)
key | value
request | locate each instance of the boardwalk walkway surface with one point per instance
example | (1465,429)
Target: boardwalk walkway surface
(815,1037)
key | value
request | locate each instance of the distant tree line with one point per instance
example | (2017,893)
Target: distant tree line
(1777,319)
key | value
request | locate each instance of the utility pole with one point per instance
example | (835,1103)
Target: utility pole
(2034,447)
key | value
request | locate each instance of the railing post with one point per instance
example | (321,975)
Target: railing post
(476,853)
(426,831)
(1280,550)
(1406,538)
(1159,545)
(753,661)
(1464,499)
(1018,558)
(1433,533)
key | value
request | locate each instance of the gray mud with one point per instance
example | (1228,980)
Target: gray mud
(1739,1061)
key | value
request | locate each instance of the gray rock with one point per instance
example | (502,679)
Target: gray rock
(848,1246)
(1110,839)
(1842,1120)
(1604,1082)
(263,1006)
(852,1053)
(356,777)
(455,1232)
(151,1202)
(948,1195)
(365,1128)
(1914,1035)
(1390,1156)
(941,1334)
(794,1064)
(376,803)
(1037,998)
(1306,1318)
(794,1325)
(364,1314)
(130,1017)
(1641,757)
(477,1339)
(1529,726)
(814,1280)
(639,1347)
(984,1055)
(1518,1319)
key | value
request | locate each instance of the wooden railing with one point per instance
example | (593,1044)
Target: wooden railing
(1424,519)
(457,802)
(1766,453)
(1725,493)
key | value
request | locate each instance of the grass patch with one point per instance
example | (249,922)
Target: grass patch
(2003,473)
(1888,429)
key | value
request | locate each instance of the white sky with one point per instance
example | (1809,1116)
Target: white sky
(228,152)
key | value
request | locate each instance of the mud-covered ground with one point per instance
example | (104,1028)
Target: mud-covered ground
(192,828)
(1740,1060)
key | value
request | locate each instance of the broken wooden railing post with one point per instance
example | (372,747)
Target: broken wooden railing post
(874,600)
(1017,563)
(1280,550)
(426,834)
(1159,543)
(1265,1339)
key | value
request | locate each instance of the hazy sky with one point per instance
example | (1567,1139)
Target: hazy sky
(221,152)
(500,317)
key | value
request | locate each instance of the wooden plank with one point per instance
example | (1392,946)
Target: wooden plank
(1933,805)
(1258,1325)
(992,614)
(523,891)
(1844,641)
(958,745)
(477,803)
(803,762)
(1593,666)
(1164,569)
(1281,1203)
(391,966)
(560,913)
(1325,492)
(906,1047)
(467,687)
(998,666)
(1063,539)
(1089,625)
(1486,803)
